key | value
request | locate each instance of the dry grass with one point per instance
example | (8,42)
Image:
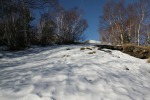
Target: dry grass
(88,48)
(93,52)
(82,48)
(142,52)
(85,48)
(94,47)
(142,47)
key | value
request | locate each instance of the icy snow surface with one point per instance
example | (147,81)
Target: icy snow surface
(68,73)
(92,42)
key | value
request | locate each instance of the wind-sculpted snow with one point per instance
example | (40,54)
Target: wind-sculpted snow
(68,73)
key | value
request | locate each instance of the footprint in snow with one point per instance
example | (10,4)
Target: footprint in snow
(65,56)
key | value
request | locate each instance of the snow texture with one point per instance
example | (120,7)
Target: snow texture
(68,73)
(92,42)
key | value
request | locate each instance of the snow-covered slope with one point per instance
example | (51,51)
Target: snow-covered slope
(92,42)
(68,73)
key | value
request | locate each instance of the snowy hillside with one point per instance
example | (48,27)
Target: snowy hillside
(68,73)
(92,42)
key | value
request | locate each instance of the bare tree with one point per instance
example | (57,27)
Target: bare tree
(142,11)
(124,24)
(70,25)
(114,17)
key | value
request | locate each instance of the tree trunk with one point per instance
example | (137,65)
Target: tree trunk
(138,33)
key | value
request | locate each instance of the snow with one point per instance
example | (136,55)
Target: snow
(68,73)
(92,42)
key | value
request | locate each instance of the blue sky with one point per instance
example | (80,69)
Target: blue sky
(92,10)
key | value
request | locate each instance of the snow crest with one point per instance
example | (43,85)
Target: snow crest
(92,42)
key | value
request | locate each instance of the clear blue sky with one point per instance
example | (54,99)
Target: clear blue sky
(92,10)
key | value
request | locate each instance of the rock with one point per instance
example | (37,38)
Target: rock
(68,49)
(126,68)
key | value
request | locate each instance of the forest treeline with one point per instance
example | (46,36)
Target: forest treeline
(55,25)
(120,23)
(125,23)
